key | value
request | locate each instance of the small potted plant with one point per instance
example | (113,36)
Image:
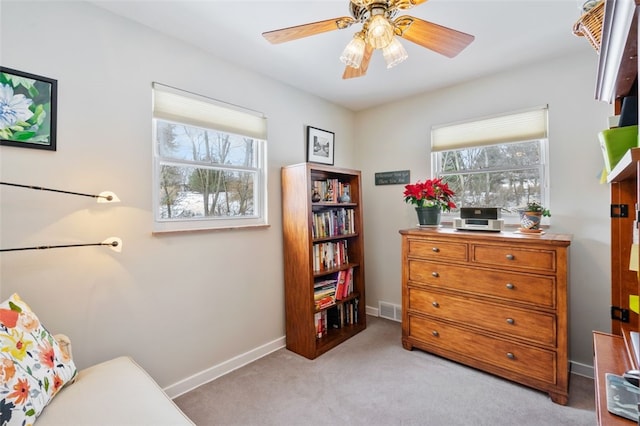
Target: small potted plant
(430,198)
(531,215)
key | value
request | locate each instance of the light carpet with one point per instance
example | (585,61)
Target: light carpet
(372,380)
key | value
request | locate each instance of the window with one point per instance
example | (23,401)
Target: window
(494,162)
(209,163)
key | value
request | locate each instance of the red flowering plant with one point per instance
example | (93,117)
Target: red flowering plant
(430,193)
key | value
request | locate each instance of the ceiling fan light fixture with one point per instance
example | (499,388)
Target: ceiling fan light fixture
(380,32)
(361,3)
(354,52)
(394,53)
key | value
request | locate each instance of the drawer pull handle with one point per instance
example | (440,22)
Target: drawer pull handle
(435,304)
(435,274)
(510,257)
(435,250)
(510,321)
(435,333)
(510,286)
(511,355)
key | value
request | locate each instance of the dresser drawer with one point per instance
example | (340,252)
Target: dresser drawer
(533,326)
(437,249)
(531,289)
(530,259)
(517,358)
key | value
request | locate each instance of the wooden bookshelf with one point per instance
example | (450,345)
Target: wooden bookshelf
(617,70)
(308,225)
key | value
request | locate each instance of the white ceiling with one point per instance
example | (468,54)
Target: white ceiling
(508,33)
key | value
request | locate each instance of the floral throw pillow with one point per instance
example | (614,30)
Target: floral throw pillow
(33,368)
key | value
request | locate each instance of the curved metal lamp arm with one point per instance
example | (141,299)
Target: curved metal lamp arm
(114,243)
(103,197)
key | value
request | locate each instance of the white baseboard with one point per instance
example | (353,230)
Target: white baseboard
(212,373)
(581,369)
(226,367)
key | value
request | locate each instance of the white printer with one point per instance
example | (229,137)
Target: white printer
(479,219)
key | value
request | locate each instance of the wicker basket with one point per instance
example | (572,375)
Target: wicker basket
(590,25)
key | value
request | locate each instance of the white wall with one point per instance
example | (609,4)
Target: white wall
(396,137)
(179,303)
(183,303)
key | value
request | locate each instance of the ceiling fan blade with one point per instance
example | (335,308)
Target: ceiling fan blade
(350,72)
(444,40)
(306,30)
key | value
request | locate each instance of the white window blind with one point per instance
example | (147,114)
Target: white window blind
(518,126)
(184,107)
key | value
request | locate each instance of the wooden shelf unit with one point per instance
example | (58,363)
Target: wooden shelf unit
(298,211)
(617,70)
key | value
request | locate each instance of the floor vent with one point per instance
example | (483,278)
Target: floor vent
(390,311)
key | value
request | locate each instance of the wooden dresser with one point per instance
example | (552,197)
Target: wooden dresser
(493,301)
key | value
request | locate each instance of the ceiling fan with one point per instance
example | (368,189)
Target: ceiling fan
(379,28)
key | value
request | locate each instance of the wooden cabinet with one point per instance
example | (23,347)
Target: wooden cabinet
(613,353)
(617,70)
(624,282)
(323,241)
(493,301)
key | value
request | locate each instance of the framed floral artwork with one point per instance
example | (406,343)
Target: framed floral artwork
(28,107)
(320,145)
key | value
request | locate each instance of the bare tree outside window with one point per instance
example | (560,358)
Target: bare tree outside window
(204,172)
(505,175)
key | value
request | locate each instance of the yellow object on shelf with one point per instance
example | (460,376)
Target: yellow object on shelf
(633,303)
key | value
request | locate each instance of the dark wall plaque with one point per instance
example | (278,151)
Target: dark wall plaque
(392,178)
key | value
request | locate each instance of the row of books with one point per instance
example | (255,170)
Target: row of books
(326,292)
(339,316)
(329,190)
(330,255)
(330,223)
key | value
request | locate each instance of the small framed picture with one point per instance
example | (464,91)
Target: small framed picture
(320,144)
(28,118)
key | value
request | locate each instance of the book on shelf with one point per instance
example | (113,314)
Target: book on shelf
(333,318)
(347,289)
(320,319)
(356,318)
(324,283)
(325,302)
(340,285)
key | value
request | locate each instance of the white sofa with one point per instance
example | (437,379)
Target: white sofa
(113,393)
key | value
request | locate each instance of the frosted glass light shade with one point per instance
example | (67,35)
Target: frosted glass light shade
(353,53)
(380,32)
(394,53)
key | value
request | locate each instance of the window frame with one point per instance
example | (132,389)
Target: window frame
(510,216)
(186,224)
